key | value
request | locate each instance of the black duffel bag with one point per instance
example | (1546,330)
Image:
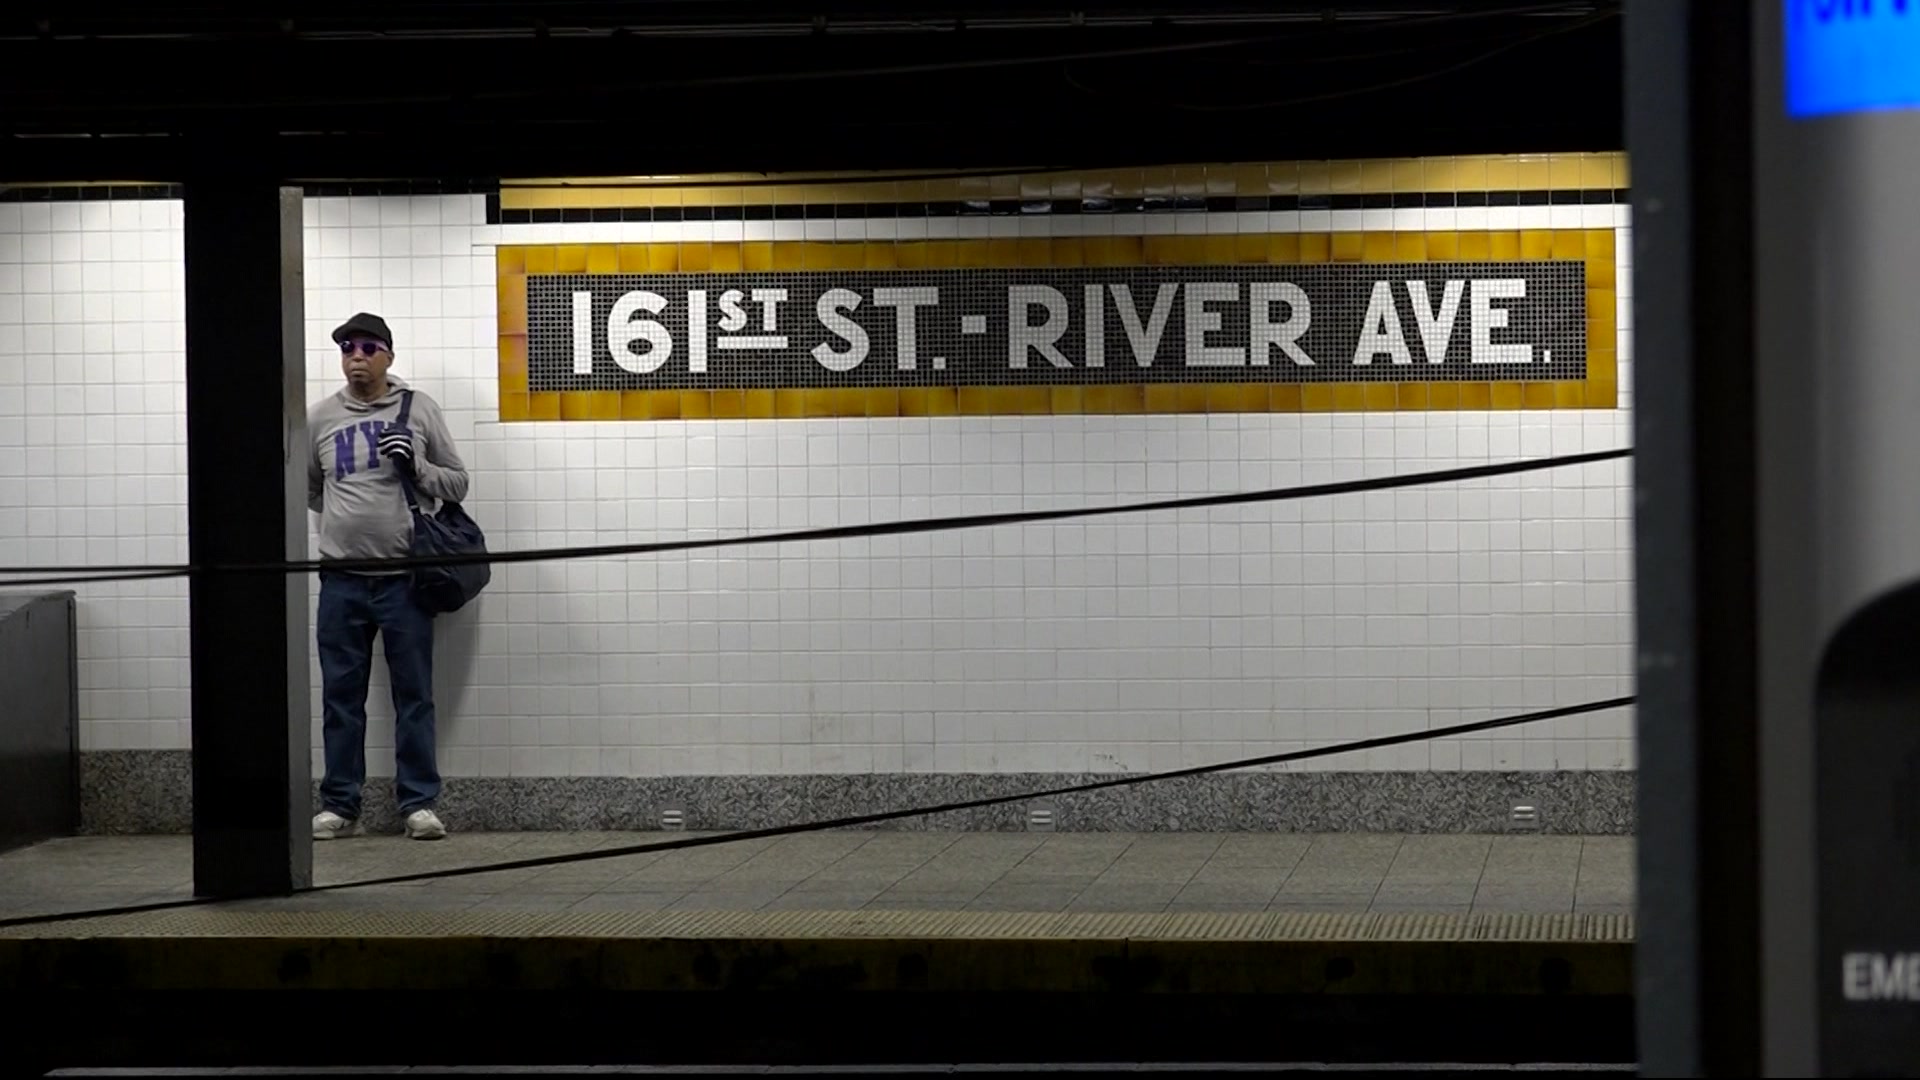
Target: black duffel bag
(448,531)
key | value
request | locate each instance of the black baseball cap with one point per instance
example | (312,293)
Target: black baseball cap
(364,325)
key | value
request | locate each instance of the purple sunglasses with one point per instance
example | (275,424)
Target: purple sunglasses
(367,346)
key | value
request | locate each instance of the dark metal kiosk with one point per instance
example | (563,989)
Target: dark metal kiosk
(1776,149)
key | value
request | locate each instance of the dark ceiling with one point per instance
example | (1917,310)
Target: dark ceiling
(404,89)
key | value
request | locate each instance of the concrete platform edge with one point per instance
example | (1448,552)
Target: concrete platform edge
(1258,954)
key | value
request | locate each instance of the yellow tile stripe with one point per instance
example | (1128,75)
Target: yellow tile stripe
(1516,172)
(1599,390)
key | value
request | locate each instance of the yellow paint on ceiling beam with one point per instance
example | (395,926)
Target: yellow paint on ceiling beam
(1495,172)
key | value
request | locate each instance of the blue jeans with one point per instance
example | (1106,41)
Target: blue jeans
(353,608)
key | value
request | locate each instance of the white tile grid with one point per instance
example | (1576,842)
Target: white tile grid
(1128,642)
(91,422)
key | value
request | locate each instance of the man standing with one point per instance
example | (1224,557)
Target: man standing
(366,436)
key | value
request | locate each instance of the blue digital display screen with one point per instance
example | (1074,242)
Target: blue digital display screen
(1847,56)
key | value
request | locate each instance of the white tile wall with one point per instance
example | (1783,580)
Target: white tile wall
(1128,642)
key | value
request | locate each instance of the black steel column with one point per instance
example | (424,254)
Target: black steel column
(1690,142)
(246,503)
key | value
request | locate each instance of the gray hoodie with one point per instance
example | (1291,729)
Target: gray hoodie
(356,492)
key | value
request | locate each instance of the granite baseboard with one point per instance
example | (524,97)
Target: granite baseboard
(149,791)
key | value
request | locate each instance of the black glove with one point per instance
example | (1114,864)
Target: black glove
(396,444)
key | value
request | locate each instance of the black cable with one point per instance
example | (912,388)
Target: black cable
(1568,7)
(52,574)
(389,98)
(1408,80)
(1129,95)
(876,818)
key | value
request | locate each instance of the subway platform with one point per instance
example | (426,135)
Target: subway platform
(877,947)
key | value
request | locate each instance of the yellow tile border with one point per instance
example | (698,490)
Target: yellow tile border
(1466,173)
(1599,390)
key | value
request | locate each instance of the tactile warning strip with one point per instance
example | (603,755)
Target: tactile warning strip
(1262,953)
(1189,926)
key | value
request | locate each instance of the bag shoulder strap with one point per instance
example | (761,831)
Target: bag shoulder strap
(406,482)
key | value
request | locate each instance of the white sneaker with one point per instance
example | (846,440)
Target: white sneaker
(328,825)
(425,825)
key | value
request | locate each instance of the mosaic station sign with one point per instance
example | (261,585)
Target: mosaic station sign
(1520,321)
